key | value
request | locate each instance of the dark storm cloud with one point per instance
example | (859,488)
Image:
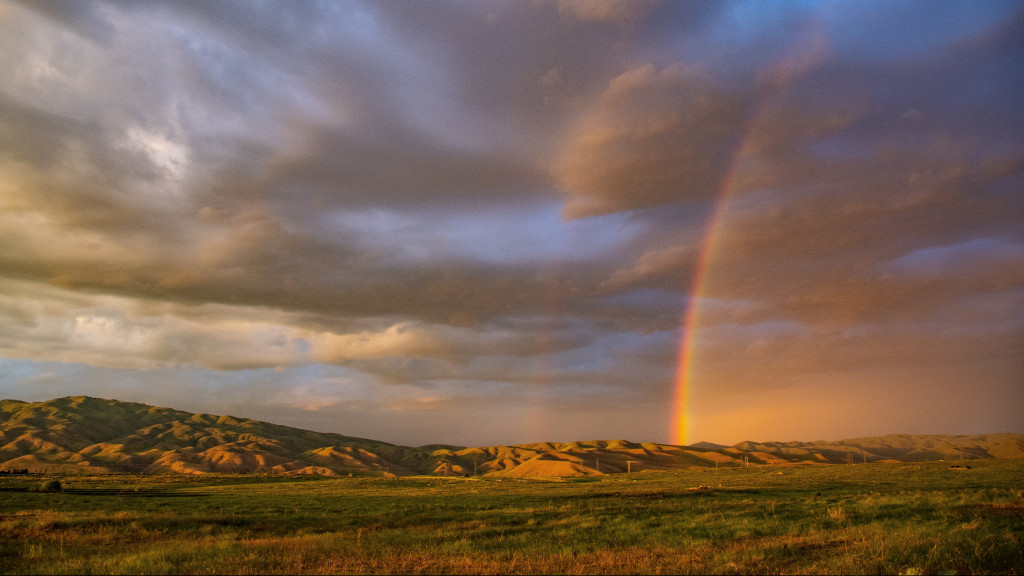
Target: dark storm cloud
(898,173)
(654,137)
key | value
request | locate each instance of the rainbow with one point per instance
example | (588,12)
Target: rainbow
(680,420)
(684,372)
(806,51)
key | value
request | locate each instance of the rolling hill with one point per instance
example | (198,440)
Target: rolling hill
(94,435)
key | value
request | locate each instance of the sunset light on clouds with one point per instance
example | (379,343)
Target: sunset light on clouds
(505,222)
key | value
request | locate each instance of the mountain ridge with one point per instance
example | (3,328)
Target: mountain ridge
(95,435)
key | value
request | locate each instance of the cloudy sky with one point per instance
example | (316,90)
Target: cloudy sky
(486,222)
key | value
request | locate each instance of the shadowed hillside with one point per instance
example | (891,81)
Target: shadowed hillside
(93,435)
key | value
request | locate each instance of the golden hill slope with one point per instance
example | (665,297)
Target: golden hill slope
(93,435)
(97,435)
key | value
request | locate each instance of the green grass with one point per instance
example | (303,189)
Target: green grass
(921,518)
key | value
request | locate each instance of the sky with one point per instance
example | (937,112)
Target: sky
(482,223)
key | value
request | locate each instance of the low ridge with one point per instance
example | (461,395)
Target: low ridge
(95,435)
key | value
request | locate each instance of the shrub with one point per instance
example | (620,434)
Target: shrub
(52,485)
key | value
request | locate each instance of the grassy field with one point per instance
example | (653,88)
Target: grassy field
(921,518)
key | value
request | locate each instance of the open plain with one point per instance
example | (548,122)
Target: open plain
(896,518)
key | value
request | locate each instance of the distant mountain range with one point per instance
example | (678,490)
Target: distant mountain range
(94,435)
